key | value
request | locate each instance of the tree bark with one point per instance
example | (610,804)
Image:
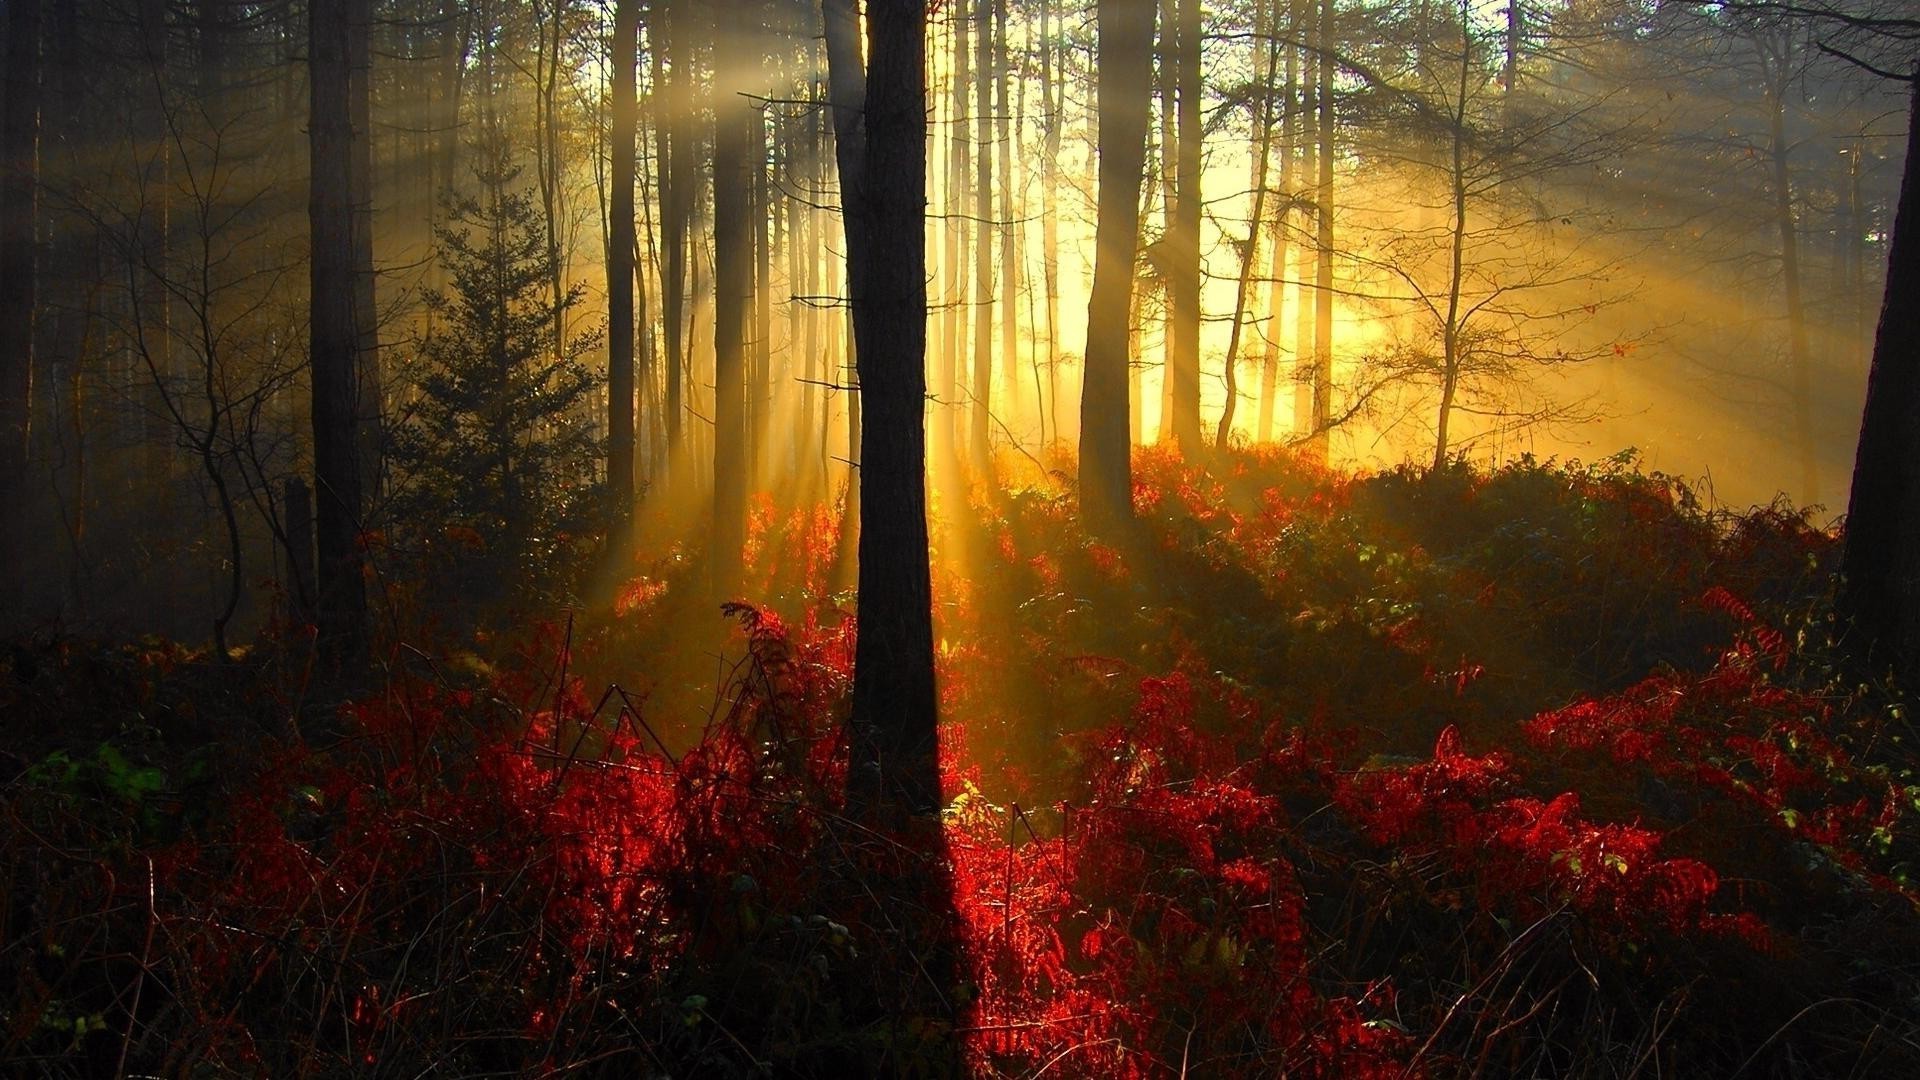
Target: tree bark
(620,252)
(895,711)
(334,338)
(19,207)
(1183,279)
(1880,593)
(733,139)
(1124,97)
(1323,270)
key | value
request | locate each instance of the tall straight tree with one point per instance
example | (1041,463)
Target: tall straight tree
(980,445)
(881,143)
(677,182)
(333,336)
(735,136)
(1881,561)
(1125,89)
(620,253)
(19,185)
(1323,239)
(1183,239)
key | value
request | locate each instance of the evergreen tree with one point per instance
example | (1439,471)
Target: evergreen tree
(501,439)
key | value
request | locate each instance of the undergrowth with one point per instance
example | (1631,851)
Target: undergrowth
(1545,772)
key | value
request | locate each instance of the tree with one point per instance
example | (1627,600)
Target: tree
(334,337)
(880,136)
(499,441)
(1124,100)
(734,136)
(1183,237)
(620,252)
(19,184)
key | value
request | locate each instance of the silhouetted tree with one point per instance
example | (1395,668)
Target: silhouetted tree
(1882,557)
(334,337)
(1125,95)
(880,133)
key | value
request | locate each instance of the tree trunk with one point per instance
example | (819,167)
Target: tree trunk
(1049,200)
(1323,271)
(1263,125)
(883,186)
(733,139)
(334,339)
(676,211)
(620,252)
(19,205)
(1183,278)
(1277,288)
(1009,230)
(980,444)
(1124,96)
(1797,347)
(1881,561)
(368,384)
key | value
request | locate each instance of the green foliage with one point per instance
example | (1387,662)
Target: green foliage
(501,447)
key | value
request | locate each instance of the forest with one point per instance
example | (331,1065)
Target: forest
(960,538)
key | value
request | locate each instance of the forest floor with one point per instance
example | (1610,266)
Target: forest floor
(1551,771)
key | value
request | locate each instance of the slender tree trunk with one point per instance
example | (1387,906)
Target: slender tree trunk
(1049,208)
(1451,338)
(342,607)
(1183,279)
(1009,230)
(1304,325)
(19,210)
(1125,81)
(368,382)
(1880,564)
(733,141)
(620,253)
(677,183)
(1798,349)
(980,442)
(1263,126)
(1162,252)
(959,162)
(761,402)
(1277,288)
(1323,270)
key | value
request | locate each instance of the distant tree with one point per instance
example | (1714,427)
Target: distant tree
(1125,89)
(500,440)
(880,121)
(1183,236)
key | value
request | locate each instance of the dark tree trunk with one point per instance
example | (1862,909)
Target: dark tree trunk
(366,322)
(733,140)
(342,607)
(1881,594)
(1125,95)
(883,193)
(620,252)
(19,199)
(676,209)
